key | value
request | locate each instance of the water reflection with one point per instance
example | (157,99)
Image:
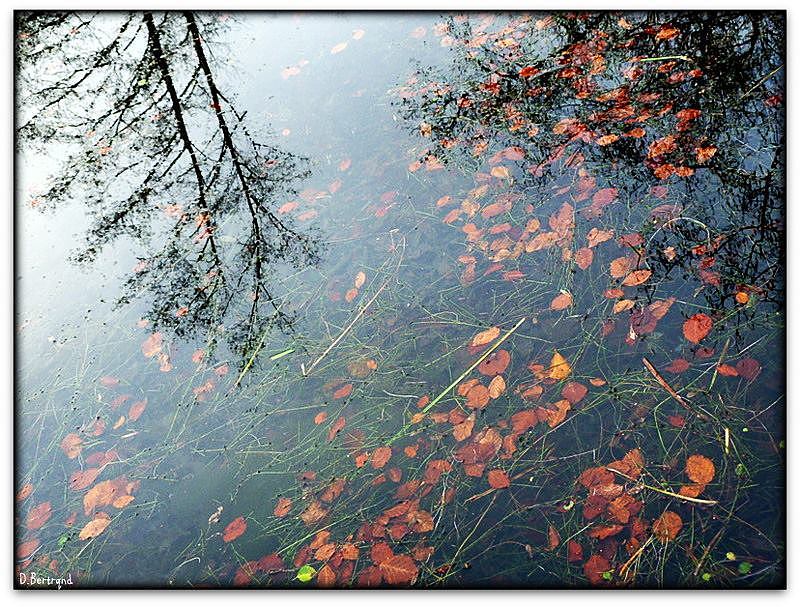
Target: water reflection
(161,154)
(685,107)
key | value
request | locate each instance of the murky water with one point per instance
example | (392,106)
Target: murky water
(401,299)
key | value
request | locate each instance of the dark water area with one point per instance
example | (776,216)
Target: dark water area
(400,299)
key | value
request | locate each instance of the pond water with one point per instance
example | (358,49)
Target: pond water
(392,299)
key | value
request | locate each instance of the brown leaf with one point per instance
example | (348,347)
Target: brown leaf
(667,526)
(282,507)
(700,469)
(498,479)
(484,337)
(399,570)
(637,277)
(38,515)
(497,386)
(72,445)
(380,456)
(234,529)
(697,327)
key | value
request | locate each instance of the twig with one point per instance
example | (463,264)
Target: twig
(694,500)
(662,382)
(345,331)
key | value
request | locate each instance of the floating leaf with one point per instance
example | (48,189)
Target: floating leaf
(399,569)
(697,327)
(25,549)
(343,392)
(559,367)
(484,337)
(338,48)
(95,527)
(234,529)
(361,278)
(381,456)
(282,507)
(637,277)
(497,386)
(38,516)
(498,479)
(495,363)
(561,302)
(700,469)
(306,573)
(71,445)
(667,526)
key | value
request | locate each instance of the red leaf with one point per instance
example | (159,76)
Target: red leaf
(697,327)
(234,529)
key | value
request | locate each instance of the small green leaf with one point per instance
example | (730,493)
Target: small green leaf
(306,573)
(606,575)
(63,540)
(741,469)
(730,556)
(744,568)
(706,577)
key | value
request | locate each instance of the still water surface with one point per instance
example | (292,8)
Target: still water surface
(589,205)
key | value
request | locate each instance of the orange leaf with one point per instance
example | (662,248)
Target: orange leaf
(561,302)
(137,409)
(320,417)
(637,277)
(399,569)
(234,529)
(361,278)
(700,469)
(343,392)
(380,456)
(497,386)
(498,479)
(559,367)
(697,327)
(283,507)
(484,337)
(38,515)
(94,527)
(667,526)
(71,445)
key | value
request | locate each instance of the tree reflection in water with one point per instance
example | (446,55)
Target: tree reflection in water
(686,107)
(158,152)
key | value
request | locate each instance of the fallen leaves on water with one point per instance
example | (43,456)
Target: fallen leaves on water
(700,469)
(136,410)
(24,492)
(25,549)
(38,515)
(561,301)
(559,367)
(320,417)
(335,428)
(343,392)
(498,479)
(80,479)
(595,567)
(234,529)
(314,513)
(326,578)
(697,327)
(495,363)
(95,527)
(637,277)
(338,48)
(399,569)
(667,526)
(152,345)
(497,386)
(484,337)
(749,368)
(381,456)
(71,445)
(283,507)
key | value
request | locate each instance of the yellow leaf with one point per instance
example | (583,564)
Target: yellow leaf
(559,367)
